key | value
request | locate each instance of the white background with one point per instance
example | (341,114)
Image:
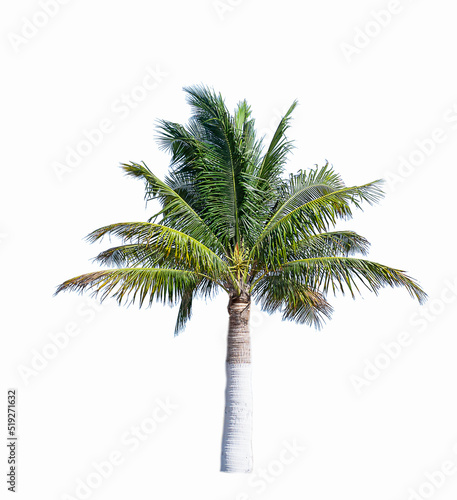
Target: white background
(362,109)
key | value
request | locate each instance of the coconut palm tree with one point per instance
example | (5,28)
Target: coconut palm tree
(231,219)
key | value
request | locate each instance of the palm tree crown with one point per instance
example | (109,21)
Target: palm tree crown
(230,218)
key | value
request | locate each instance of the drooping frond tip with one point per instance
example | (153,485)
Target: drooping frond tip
(278,292)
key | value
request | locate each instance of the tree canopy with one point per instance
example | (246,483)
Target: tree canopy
(230,218)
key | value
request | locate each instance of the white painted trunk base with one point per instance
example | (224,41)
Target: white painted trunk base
(237,436)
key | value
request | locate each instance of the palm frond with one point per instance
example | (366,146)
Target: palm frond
(228,179)
(272,165)
(329,244)
(187,146)
(205,288)
(314,201)
(221,179)
(346,273)
(153,244)
(184,312)
(135,285)
(321,197)
(296,301)
(176,212)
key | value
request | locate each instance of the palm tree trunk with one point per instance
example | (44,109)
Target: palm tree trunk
(237,436)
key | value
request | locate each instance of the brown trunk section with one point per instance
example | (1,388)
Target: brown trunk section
(238,339)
